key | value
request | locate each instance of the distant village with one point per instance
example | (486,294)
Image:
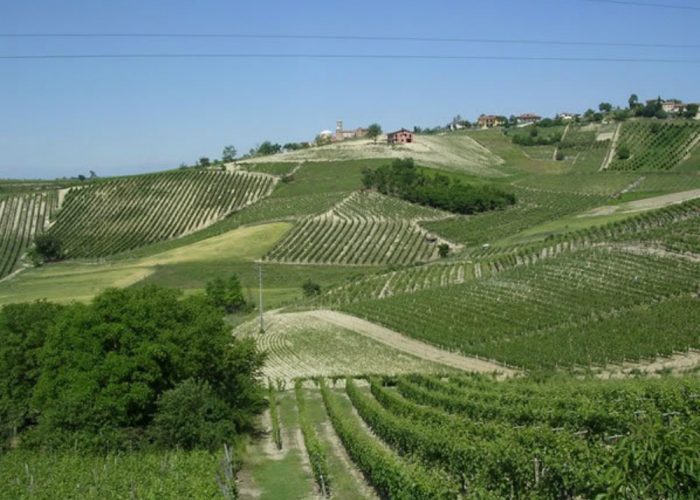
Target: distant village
(659,108)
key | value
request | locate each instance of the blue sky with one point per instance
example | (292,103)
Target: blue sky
(64,117)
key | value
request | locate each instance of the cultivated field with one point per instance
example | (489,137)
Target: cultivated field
(107,218)
(22,216)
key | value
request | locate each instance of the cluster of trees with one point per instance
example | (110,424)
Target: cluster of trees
(133,368)
(404,180)
(532,137)
(47,248)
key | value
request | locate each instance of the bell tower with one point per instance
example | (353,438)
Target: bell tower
(339,130)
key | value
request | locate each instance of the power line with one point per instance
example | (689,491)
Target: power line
(345,56)
(647,4)
(372,38)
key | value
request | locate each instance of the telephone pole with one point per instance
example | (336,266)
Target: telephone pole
(260,287)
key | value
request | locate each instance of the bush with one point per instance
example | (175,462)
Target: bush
(559,156)
(47,248)
(443,250)
(191,415)
(623,152)
(311,289)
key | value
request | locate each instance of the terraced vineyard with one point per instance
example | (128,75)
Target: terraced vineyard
(655,145)
(365,228)
(423,436)
(553,298)
(114,216)
(22,216)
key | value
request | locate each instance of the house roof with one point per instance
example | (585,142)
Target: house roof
(400,130)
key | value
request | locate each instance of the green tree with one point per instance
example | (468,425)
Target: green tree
(374,130)
(633,101)
(443,250)
(605,107)
(623,152)
(229,154)
(691,111)
(47,248)
(310,288)
(268,148)
(204,161)
(226,294)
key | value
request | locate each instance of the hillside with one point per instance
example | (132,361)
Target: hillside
(450,152)
(109,217)
(370,378)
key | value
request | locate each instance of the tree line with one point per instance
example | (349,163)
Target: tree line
(402,179)
(134,368)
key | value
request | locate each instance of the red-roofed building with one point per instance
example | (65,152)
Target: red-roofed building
(402,136)
(529,118)
(489,121)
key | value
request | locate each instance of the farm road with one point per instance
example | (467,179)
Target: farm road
(405,344)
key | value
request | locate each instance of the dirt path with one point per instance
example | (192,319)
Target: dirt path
(405,344)
(677,363)
(644,204)
(613,146)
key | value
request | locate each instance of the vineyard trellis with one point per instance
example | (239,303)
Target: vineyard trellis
(366,228)
(110,217)
(22,217)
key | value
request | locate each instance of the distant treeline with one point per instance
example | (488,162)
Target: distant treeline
(403,180)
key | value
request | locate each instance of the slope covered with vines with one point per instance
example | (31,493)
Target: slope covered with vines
(22,216)
(654,145)
(366,228)
(118,215)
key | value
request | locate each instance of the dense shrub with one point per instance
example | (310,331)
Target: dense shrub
(226,294)
(402,179)
(47,248)
(190,415)
(97,377)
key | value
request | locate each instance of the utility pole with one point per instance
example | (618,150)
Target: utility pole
(260,286)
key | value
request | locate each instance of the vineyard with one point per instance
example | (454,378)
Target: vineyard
(427,436)
(115,216)
(22,216)
(655,146)
(366,228)
(552,298)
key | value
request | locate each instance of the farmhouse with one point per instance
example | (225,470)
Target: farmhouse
(567,117)
(342,134)
(673,106)
(402,136)
(489,121)
(529,118)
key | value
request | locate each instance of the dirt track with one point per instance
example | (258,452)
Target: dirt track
(405,344)
(677,363)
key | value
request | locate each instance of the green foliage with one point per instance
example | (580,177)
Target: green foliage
(191,415)
(23,330)
(317,454)
(623,152)
(274,414)
(226,294)
(48,247)
(403,180)
(559,155)
(161,474)
(374,130)
(229,154)
(443,250)
(268,148)
(654,145)
(532,137)
(391,476)
(311,288)
(103,366)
